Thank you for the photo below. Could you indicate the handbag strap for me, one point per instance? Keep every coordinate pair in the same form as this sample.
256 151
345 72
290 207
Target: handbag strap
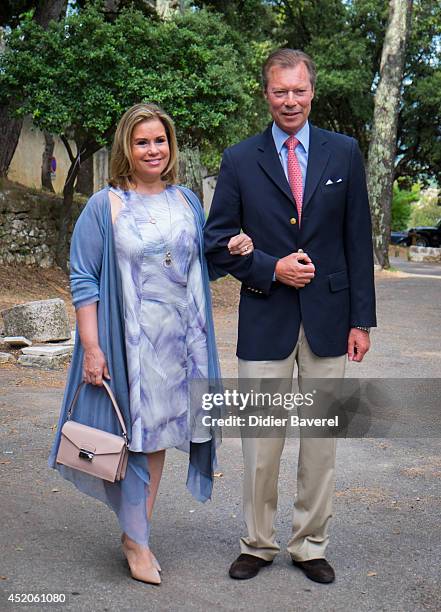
112 399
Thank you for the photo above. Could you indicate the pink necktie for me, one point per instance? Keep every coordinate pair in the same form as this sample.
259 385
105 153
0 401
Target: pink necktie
295 174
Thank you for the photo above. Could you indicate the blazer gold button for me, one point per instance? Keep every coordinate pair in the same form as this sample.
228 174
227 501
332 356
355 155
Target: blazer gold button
293 220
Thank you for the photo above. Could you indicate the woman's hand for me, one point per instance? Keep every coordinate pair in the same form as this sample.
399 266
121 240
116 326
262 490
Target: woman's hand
240 245
95 366
94 362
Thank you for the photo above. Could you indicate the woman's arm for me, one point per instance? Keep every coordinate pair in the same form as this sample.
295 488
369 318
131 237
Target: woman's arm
94 363
85 260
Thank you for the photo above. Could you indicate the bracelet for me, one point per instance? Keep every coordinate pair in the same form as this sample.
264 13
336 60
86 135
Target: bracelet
365 329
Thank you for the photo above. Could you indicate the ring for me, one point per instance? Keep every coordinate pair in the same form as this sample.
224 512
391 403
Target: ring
245 250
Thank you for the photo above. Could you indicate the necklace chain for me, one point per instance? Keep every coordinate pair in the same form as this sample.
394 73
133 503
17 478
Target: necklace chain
168 259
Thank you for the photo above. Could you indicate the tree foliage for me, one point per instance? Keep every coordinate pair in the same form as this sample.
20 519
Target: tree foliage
11 11
427 211
419 127
254 19
402 205
77 77
345 39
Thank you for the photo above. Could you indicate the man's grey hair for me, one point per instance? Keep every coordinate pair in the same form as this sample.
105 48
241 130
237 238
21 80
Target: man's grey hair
288 58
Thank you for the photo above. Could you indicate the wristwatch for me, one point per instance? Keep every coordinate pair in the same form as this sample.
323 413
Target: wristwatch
365 329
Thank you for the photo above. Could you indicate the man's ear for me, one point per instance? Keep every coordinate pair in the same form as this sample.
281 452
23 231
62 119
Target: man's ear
313 92
265 94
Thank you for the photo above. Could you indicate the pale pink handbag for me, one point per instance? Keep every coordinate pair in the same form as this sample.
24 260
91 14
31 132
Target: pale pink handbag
91 450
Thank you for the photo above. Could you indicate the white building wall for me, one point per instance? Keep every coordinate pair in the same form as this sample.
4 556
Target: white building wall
25 166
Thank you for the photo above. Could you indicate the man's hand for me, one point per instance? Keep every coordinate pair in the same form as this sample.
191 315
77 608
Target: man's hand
358 344
296 270
95 366
240 245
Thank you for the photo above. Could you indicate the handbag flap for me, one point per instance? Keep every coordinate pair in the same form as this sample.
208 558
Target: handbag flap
95 440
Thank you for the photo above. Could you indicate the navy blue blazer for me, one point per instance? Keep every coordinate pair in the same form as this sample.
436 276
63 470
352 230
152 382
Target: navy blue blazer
253 194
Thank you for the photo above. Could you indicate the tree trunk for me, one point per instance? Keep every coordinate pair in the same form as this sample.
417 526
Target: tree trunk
85 178
65 217
10 127
46 162
82 155
190 170
49 10
383 145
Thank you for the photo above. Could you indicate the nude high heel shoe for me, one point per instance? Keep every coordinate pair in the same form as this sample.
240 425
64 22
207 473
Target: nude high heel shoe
156 562
154 559
139 570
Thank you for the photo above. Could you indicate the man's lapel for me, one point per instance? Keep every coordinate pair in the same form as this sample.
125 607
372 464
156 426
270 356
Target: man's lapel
270 163
318 158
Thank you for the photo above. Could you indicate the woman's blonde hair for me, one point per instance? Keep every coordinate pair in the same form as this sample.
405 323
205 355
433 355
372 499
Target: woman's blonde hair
121 161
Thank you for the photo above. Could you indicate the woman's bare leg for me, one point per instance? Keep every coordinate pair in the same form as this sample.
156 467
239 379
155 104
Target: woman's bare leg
141 559
156 465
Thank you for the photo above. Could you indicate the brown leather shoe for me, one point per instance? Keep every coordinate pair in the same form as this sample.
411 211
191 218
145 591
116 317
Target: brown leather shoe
318 570
247 566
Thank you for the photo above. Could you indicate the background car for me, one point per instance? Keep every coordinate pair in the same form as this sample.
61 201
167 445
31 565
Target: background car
421 235
399 238
425 236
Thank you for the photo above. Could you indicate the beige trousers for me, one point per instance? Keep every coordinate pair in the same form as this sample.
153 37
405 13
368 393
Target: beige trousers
315 470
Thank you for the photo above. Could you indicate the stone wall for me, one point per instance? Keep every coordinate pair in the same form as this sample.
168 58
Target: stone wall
28 226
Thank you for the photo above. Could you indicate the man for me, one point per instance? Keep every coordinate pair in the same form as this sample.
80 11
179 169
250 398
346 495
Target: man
307 292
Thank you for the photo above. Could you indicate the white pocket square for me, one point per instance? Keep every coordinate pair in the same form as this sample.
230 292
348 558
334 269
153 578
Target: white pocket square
330 182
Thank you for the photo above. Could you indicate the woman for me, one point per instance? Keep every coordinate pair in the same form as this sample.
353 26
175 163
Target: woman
140 289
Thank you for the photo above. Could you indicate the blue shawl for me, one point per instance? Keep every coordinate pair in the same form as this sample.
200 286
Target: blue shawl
95 278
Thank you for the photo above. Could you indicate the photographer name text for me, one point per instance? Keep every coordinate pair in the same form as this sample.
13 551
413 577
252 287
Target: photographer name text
267 421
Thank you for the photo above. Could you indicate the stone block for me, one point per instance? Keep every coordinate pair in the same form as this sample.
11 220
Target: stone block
17 341
424 254
40 321
70 342
54 362
48 350
6 358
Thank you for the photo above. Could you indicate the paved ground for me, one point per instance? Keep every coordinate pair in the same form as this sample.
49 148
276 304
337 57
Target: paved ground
385 534
410 267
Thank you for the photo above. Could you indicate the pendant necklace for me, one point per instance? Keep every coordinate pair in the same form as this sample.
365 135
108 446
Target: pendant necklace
168 260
